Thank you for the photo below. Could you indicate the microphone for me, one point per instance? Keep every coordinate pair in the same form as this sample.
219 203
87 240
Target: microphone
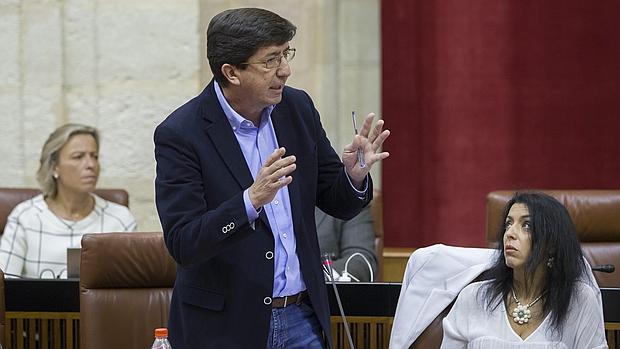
605 268
329 271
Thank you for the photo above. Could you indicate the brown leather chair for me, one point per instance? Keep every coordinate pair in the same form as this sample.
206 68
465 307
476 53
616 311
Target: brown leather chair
10 197
126 282
376 210
596 214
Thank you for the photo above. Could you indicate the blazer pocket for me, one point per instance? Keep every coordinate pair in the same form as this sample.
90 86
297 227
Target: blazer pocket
202 298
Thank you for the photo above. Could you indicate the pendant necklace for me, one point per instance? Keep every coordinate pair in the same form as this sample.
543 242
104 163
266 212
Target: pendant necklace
521 314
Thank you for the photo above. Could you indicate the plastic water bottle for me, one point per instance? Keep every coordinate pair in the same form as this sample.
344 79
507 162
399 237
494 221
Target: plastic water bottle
161 339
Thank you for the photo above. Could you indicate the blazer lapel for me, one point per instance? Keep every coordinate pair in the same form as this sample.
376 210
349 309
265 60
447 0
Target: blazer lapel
224 141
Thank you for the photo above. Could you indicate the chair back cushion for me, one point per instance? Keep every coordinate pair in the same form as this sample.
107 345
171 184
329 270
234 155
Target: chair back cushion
10 197
596 214
126 282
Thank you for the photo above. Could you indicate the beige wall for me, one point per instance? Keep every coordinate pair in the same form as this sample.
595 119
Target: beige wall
124 65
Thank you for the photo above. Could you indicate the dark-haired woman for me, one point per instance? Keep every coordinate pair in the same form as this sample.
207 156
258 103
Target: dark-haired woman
539 294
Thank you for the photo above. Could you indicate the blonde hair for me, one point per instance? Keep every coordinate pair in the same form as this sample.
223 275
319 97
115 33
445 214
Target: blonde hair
51 150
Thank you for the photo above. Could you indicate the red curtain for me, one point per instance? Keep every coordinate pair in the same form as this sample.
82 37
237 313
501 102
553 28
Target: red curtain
486 95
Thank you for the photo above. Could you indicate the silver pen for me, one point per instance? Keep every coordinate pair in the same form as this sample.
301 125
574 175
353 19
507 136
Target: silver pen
360 152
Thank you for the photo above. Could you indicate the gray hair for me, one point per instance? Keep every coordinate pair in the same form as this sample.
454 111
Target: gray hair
51 150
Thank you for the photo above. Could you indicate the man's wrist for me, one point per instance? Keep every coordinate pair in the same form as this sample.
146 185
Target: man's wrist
250 210
361 193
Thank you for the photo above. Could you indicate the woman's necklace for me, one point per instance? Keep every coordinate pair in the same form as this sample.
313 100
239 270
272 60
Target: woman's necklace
521 314
59 211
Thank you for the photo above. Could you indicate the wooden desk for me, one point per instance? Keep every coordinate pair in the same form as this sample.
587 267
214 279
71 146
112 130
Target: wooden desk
394 263
42 313
45 313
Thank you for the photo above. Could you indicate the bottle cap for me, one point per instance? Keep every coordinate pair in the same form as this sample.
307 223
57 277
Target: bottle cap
161 332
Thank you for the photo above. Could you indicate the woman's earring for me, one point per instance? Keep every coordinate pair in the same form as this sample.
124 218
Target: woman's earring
550 262
55 176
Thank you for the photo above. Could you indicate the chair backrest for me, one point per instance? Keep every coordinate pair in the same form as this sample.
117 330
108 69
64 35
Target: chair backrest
376 210
10 197
596 214
126 282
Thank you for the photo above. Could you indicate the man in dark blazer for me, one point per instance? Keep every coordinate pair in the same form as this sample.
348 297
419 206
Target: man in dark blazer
240 169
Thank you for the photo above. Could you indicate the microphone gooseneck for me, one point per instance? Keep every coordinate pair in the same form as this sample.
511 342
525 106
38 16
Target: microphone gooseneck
327 267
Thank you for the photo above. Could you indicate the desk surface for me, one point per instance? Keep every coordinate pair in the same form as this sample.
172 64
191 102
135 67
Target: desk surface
358 298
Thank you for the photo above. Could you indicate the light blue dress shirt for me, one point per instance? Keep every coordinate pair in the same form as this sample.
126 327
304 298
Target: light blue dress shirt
257 143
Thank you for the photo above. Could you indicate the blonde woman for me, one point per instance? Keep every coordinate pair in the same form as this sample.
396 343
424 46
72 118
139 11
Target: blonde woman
40 229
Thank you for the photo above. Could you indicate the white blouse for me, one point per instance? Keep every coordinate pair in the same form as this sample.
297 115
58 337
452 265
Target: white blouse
35 240
469 325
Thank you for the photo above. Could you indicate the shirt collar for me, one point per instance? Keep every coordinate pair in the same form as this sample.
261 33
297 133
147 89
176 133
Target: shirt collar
235 119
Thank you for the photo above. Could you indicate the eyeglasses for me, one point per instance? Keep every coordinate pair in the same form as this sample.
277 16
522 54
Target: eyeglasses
274 62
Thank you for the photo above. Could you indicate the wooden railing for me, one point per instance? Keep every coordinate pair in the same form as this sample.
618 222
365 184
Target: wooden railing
45 314
366 332
612 332
50 330
42 330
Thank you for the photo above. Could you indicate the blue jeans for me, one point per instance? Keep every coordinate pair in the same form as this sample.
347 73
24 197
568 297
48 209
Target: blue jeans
295 326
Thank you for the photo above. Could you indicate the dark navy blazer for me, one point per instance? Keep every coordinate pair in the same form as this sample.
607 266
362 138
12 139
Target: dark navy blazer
224 272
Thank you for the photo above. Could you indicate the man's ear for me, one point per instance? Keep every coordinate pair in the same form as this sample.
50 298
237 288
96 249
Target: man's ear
230 73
